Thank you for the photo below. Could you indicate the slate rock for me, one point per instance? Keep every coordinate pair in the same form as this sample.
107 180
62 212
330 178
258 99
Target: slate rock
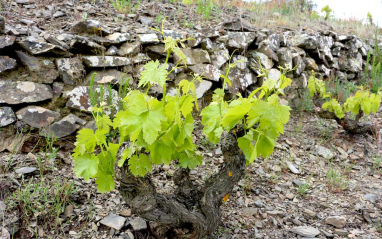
324 152
39 46
111 76
138 224
114 221
292 168
150 38
37 117
140 58
129 48
219 56
26 170
341 232
90 27
202 87
337 221
266 50
241 76
284 55
241 25
113 39
371 197
6 41
310 64
238 40
306 231
175 34
42 70
64 127
258 57
7 63
105 61
194 56
158 49
112 51
304 41
23 92
208 71
79 98
352 64
71 70
7 116
81 44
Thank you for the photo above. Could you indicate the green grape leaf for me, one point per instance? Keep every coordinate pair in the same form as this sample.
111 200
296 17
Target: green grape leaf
153 73
86 141
105 182
86 166
187 86
103 122
140 165
235 112
187 105
190 159
136 102
211 116
245 144
160 152
126 153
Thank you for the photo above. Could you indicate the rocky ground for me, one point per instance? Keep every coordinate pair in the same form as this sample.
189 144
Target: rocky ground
319 182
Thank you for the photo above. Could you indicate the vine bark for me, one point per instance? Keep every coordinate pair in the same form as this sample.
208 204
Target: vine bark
189 212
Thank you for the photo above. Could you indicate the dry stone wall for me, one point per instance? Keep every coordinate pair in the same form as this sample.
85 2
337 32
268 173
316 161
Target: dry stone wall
44 76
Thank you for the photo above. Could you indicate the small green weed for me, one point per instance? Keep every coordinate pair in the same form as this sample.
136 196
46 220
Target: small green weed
305 104
335 180
303 188
122 6
204 8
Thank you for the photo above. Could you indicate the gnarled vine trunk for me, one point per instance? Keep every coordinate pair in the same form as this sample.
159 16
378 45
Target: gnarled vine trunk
189 212
351 126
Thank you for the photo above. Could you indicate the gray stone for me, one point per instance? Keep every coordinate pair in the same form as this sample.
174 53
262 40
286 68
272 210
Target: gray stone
105 61
82 44
114 221
90 27
202 87
274 74
292 168
337 221
259 203
157 49
248 212
266 50
175 34
304 41
37 117
40 46
258 58
241 76
140 58
219 57
130 48
238 25
138 224
79 98
23 92
193 57
112 51
306 231
298 64
148 38
7 63
146 20
371 197
340 232
64 127
110 76
324 152
352 64
43 70
6 41
71 70
238 40
113 39
127 235
310 64
26 170
208 71
59 14
285 57
7 116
